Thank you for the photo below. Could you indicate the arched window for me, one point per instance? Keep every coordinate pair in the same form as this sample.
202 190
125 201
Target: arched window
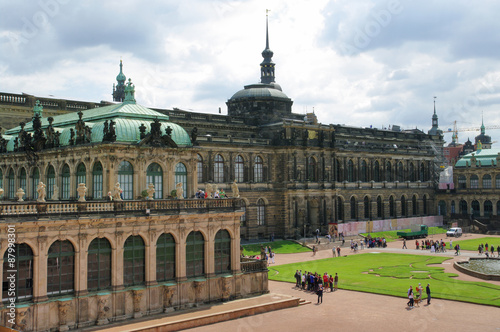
422 172
154 175
411 173
81 175
126 179
488 209
498 208
379 207
442 208
35 179
21 261
22 179
401 172
181 177
414 205
199 169
404 207
239 169
388 172
463 207
338 171
376 171
452 207
165 257
222 255
261 212
462 182
258 170
1 178
487 181
99 265
97 181
65 181
11 184
218 169
366 203
424 203
475 208
363 175
60 268
51 181
353 208
474 181
195 255
497 181
340 209
311 169
243 218
350 171
134 261
392 208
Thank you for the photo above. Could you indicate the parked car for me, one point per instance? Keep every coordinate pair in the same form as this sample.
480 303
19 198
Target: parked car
454 231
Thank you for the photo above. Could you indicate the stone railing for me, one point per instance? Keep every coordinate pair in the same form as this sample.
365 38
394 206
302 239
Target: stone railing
252 265
146 206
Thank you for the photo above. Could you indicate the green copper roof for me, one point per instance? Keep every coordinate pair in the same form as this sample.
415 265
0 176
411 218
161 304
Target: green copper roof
487 157
260 91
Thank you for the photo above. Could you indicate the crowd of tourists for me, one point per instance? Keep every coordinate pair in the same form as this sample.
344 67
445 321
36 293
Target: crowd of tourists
316 283
486 249
415 298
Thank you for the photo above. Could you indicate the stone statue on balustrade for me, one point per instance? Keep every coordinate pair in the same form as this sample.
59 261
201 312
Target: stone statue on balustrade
151 191
117 192
41 190
179 191
20 194
82 191
55 193
1 191
235 190
209 189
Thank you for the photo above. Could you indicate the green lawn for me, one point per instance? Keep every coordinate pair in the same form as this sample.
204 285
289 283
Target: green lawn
391 236
472 244
392 274
279 247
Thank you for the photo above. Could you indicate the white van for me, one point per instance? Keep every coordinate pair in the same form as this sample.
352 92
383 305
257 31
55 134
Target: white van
454 231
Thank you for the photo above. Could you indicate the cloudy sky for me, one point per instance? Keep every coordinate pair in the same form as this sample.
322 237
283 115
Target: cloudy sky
355 62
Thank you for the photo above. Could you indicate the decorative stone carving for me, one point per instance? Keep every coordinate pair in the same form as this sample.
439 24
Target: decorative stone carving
198 290
168 294
102 310
235 190
137 296
179 191
82 191
1 191
151 190
64 307
226 288
209 189
40 189
117 191
20 194
55 194
22 316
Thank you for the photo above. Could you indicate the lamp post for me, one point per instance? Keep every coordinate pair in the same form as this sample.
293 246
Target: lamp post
304 233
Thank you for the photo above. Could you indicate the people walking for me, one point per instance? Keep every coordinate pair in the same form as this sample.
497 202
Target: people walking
320 293
428 291
338 251
404 244
336 281
410 297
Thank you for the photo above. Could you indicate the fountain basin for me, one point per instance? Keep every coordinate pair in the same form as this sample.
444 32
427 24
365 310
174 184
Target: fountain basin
480 267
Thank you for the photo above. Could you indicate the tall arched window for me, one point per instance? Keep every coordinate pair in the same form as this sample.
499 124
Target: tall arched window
181 177
22 179
61 268
258 170
338 171
411 173
353 208
81 175
239 169
154 175
452 207
442 208
498 208
11 184
487 181
222 255
35 179
388 172
65 182
363 175
51 181
376 171
195 255
126 179
1 178
340 208
99 265
475 208
366 203
21 260
218 169
379 207
404 207
311 169
243 218
463 207
462 182
424 203
350 171
422 172
97 181
414 205
261 212
488 209
474 181
497 181
165 257
392 208
199 169
401 172
134 261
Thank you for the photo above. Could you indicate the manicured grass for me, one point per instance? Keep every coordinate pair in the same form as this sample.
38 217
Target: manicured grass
472 244
391 236
279 247
392 274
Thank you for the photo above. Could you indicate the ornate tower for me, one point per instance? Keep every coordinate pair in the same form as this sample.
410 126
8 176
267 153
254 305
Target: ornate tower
435 127
267 65
119 89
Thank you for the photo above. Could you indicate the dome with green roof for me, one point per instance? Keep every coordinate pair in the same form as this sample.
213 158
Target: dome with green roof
484 157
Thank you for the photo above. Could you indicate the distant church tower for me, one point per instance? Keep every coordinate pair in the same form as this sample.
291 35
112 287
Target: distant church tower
435 127
119 89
